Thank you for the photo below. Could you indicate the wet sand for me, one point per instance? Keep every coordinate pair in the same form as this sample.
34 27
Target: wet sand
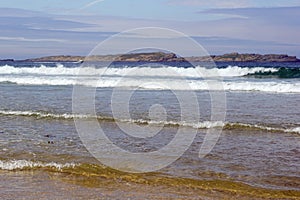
51 185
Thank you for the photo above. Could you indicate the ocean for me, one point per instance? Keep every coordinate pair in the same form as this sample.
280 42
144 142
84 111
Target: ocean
46 154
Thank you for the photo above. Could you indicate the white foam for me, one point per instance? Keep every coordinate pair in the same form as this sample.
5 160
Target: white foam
196 125
164 75
198 71
267 128
233 71
293 130
261 86
279 86
22 164
42 114
44 70
273 87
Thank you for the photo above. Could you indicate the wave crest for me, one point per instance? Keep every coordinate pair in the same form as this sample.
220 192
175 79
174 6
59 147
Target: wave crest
61 70
195 125
282 72
118 77
25 164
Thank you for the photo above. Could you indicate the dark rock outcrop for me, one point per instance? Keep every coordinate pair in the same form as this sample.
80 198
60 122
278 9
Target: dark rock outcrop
6 60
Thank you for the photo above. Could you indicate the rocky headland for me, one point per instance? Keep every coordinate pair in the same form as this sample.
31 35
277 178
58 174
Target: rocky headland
170 57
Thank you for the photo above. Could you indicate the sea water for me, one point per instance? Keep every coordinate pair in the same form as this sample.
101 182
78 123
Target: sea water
256 156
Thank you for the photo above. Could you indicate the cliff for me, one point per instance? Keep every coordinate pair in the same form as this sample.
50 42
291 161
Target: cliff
170 57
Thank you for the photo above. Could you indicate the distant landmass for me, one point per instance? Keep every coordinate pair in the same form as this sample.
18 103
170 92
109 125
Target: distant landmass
169 57
236 57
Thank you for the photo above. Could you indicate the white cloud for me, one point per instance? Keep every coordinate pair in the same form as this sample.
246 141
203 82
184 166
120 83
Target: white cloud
90 4
261 30
213 3
236 3
22 39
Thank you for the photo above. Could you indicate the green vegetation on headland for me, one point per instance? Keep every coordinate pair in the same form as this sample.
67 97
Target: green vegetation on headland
170 57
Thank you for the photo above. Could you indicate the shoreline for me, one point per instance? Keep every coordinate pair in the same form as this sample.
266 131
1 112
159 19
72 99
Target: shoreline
132 186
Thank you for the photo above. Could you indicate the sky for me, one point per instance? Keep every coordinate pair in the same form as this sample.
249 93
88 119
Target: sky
66 27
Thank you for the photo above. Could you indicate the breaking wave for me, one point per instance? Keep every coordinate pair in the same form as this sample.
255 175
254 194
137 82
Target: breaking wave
156 78
261 127
282 72
196 125
41 114
25 164
61 70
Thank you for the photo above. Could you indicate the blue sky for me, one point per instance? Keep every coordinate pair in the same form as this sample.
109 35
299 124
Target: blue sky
39 28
